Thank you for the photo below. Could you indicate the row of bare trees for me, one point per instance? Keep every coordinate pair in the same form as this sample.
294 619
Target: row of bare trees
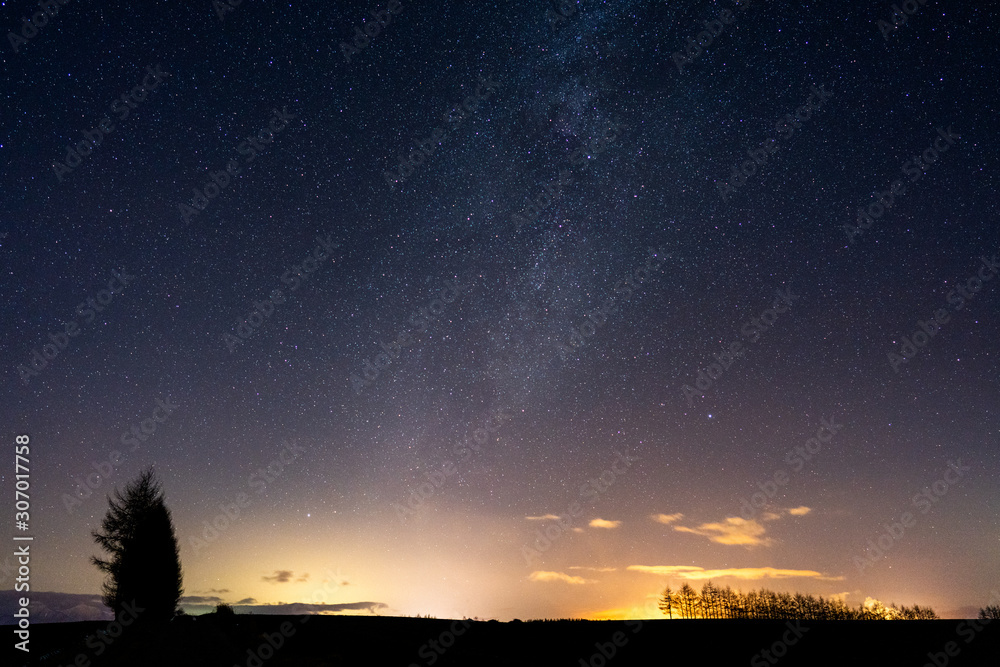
716 602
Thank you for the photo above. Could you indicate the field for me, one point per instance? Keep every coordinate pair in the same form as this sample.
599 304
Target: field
328 641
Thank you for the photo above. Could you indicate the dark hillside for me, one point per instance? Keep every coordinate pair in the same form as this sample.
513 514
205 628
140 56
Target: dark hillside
328 641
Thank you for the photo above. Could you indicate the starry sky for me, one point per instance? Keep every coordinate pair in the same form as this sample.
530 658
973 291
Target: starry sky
508 309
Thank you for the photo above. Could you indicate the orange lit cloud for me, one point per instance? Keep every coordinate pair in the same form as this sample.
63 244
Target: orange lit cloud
284 576
667 518
734 530
593 569
541 575
604 523
698 573
799 511
544 517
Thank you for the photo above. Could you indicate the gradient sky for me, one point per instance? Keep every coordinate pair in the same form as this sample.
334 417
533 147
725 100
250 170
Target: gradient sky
654 203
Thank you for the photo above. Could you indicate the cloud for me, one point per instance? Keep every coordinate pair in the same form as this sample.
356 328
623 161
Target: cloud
734 530
217 590
200 599
540 575
698 573
54 607
667 518
604 523
593 569
298 608
770 516
248 601
280 577
667 570
799 511
304 577
544 517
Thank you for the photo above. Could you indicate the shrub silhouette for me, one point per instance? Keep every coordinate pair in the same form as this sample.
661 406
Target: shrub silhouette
990 612
143 567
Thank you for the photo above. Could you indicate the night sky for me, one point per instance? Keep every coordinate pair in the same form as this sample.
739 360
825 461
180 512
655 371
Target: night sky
500 312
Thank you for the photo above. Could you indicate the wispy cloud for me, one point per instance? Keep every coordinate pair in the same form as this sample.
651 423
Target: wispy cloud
541 575
280 577
200 599
697 573
298 608
667 518
604 523
734 530
544 517
799 511
593 569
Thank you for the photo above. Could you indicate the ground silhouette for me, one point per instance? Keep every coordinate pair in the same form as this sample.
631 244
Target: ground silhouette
214 640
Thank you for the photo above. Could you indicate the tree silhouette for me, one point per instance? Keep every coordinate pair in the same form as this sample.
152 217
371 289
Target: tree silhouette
143 566
990 612
689 601
715 602
668 603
